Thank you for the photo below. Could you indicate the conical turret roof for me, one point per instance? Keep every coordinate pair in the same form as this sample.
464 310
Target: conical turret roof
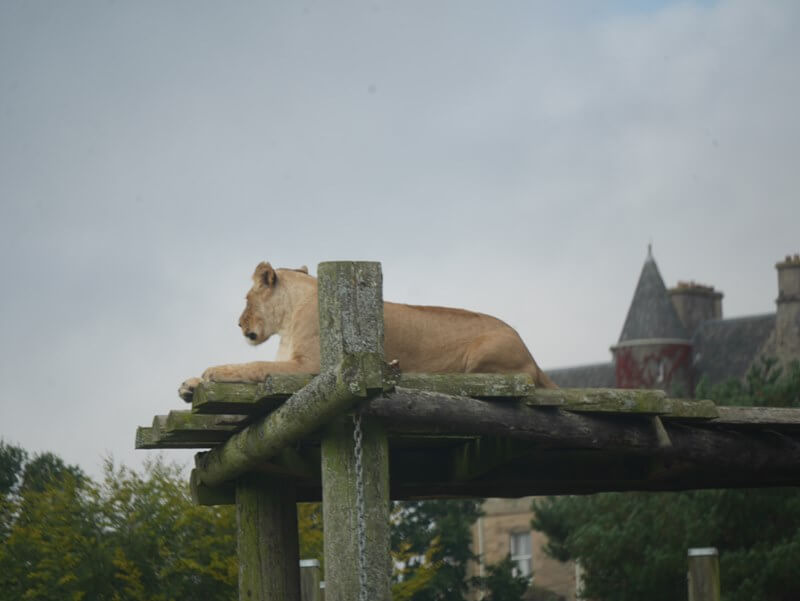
651 314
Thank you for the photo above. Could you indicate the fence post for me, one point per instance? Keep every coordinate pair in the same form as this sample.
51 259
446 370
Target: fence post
267 540
703 574
309 580
351 329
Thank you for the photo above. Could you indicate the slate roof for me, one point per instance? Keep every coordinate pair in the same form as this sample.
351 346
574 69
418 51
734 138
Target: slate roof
651 314
725 348
598 375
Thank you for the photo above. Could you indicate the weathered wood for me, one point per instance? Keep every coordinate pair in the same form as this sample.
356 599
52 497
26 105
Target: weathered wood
247 397
704 575
309 580
472 385
351 314
414 411
622 401
267 541
351 324
481 455
287 463
759 417
256 398
328 395
202 494
144 438
340 512
185 426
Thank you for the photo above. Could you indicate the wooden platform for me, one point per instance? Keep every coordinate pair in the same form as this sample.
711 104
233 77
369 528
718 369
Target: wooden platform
492 435
289 439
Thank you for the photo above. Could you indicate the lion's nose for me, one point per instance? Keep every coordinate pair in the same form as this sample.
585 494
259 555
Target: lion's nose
251 335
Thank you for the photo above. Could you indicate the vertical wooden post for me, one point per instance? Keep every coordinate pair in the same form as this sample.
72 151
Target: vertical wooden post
267 540
351 328
704 574
309 580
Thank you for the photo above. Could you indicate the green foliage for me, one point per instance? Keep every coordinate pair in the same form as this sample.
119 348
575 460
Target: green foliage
501 583
132 537
633 545
309 522
766 385
12 458
433 539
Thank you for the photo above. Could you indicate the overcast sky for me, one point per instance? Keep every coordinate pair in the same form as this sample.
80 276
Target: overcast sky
514 158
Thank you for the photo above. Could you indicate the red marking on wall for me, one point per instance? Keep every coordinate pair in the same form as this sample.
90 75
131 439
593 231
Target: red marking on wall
654 366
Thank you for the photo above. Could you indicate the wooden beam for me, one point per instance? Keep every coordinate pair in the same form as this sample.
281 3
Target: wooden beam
267 541
414 411
482 455
351 323
629 401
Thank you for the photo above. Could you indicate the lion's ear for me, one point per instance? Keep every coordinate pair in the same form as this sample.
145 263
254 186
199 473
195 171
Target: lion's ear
265 274
302 269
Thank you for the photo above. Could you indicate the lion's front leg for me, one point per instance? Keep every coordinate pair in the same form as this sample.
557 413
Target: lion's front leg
257 371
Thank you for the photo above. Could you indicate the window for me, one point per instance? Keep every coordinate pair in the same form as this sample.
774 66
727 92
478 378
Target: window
521 554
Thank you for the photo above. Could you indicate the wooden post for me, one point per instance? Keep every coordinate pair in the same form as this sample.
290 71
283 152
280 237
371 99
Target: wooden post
703 574
267 540
309 580
351 326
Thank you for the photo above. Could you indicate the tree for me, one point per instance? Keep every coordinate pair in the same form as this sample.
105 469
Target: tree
432 540
633 545
12 458
501 583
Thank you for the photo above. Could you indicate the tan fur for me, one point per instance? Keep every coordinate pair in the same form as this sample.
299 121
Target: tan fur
421 339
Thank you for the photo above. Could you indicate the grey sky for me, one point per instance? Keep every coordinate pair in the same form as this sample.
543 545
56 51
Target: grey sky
513 158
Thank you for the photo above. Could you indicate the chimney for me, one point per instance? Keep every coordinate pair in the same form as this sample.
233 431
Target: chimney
787 319
695 303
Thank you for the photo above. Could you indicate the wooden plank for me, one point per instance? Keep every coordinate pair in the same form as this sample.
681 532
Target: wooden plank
185 426
182 429
471 385
267 540
250 398
351 324
146 439
631 401
247 397
760 417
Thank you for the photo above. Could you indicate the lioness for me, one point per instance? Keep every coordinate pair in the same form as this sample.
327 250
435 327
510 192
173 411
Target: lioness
422 339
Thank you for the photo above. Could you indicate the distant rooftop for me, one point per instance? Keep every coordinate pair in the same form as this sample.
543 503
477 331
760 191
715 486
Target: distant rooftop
651 313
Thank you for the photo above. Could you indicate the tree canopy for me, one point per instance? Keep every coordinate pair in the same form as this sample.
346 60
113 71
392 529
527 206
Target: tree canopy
138 536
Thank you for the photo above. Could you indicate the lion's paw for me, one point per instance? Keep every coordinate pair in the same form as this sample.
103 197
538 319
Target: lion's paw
186 390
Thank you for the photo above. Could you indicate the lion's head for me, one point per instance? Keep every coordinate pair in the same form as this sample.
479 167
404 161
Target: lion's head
260 320
266 307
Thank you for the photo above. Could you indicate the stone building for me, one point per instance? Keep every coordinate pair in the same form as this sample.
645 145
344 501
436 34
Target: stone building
671 339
